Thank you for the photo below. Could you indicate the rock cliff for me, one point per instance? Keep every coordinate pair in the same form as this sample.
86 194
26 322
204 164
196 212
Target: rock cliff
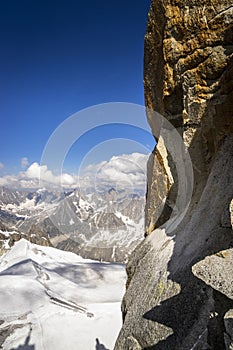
188 66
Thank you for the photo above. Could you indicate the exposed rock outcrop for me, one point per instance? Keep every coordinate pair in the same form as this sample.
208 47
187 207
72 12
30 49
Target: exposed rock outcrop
8 237
228 322
188 79
216 271
37 236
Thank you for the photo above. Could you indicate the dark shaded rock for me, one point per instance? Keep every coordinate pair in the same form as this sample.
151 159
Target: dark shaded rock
228 321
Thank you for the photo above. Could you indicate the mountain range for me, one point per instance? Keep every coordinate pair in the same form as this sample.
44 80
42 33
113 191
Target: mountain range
103 225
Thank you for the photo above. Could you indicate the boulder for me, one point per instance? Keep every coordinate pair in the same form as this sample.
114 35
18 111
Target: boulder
216 271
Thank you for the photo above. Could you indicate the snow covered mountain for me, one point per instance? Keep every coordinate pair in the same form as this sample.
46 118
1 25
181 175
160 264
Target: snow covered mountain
103 226
9 196
51 299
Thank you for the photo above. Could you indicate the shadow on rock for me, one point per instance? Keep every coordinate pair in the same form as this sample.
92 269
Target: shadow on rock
177 314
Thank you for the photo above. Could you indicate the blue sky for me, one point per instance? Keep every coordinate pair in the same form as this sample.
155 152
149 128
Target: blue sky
58 57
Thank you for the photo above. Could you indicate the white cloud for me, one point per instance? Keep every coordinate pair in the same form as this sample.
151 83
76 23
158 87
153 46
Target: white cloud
125 171
9 180
42 173
1 165
24 162
36 176
68 179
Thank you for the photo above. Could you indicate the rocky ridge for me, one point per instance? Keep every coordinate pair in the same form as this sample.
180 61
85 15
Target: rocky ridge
9 236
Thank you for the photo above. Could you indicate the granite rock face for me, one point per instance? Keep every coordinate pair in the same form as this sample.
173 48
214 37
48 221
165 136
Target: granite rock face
216 271
188 79
228 321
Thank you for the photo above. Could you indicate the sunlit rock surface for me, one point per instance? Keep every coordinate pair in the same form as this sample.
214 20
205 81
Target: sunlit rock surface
188 79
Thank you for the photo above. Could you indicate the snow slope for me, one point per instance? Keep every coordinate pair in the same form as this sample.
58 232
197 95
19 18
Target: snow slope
51 299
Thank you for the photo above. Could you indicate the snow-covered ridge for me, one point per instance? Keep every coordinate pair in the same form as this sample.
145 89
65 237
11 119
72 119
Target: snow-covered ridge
57 300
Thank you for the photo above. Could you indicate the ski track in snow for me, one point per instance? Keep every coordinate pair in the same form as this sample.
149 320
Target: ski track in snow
56 300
